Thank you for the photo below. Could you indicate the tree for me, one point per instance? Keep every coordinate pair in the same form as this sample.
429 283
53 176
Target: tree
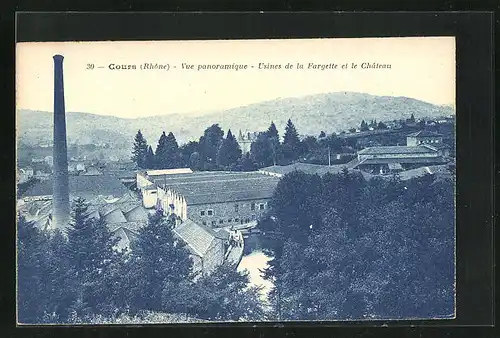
381 125
161 152
261 151
195 161
150 158
229 151
272 132
158 263
383 248
173 151
309 145
298 215
90 252
412 118
186 150
291 142
45 287
167 152
363 126
23 187
322 134
32 272
247 163
140 149
210 142
222 295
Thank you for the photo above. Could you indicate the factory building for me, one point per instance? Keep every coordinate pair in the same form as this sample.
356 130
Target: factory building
423 148
215 199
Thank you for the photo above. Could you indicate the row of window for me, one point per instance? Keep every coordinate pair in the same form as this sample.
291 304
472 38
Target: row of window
253 206
428 141
230 220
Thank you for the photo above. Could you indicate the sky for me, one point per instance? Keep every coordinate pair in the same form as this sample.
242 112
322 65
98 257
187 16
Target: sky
421 67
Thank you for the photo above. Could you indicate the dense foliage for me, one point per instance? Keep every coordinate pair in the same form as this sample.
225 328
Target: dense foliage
213 151
140 150
346 248
82 276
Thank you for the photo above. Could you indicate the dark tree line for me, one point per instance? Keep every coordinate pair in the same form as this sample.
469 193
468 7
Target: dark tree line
166 155
346 248
213 151
81 274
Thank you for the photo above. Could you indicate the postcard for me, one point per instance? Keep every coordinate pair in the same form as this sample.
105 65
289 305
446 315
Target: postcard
235 181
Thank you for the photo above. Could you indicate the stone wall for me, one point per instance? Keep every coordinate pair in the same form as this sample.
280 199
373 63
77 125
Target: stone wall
197 264
226 214
213 257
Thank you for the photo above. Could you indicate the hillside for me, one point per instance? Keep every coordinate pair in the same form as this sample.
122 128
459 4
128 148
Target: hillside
330 112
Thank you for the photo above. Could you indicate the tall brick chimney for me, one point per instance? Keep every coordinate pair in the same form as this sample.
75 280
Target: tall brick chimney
60 192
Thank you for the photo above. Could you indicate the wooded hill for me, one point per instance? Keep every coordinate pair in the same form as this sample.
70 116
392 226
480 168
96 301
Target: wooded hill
332 112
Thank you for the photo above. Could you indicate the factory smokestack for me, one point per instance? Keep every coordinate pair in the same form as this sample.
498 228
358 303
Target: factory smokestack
60 192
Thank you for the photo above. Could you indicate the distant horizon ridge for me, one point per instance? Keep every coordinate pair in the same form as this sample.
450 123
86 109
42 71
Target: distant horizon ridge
213 111
332 112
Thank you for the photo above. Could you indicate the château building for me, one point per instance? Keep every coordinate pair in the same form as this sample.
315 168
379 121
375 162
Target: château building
245 141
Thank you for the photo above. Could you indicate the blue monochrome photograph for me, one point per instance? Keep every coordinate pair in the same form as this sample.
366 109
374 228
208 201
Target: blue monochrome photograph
297 180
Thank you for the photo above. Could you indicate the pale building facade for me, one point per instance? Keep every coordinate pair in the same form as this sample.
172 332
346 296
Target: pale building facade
215 199
423 137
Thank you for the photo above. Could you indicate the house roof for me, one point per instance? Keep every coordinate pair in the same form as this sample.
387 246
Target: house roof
228 196
221 233
121 165
125 236
124 242
120 173
197 238
436 146
39 212
114 216
130 227
138 213
369 133
395 150
395 166
424 133
92 171
82 186
125 210
223 187
439 170
150 187
402 160
305 167
204 176
152 173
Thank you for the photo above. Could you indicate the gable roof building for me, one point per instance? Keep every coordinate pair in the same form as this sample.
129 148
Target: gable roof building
124 216
88 187
280 171
198 239
206 247
397 150
223 188
423 137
